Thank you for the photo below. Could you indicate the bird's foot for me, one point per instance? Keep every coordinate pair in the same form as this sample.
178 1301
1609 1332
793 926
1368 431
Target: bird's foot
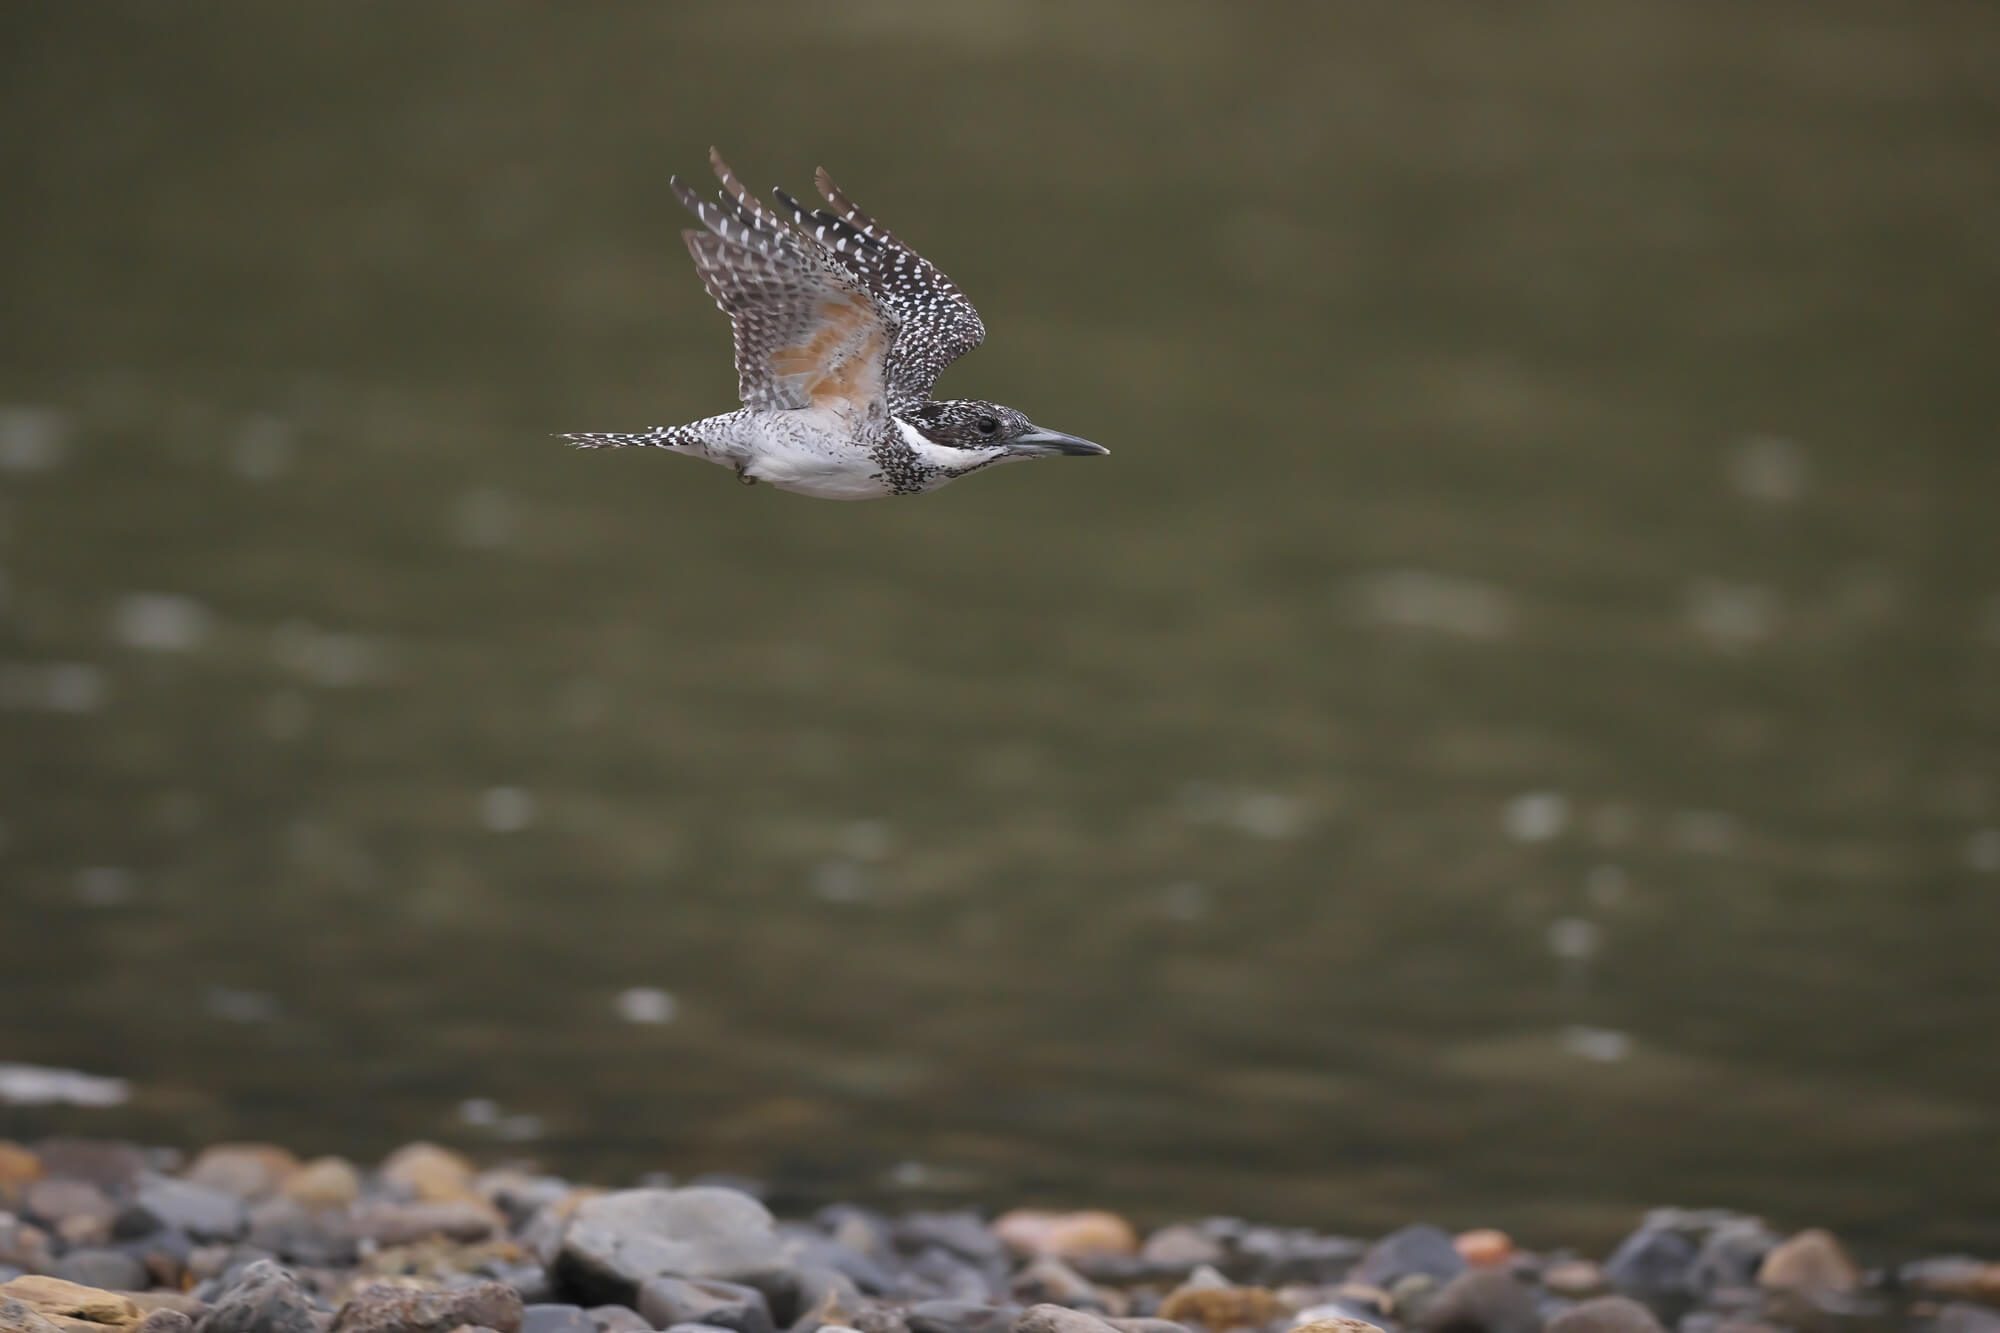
743 474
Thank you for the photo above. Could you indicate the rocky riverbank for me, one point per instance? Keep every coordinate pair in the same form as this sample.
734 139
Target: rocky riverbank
246 1238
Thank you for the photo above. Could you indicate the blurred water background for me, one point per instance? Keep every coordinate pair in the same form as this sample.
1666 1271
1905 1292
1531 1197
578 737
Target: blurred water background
1511 736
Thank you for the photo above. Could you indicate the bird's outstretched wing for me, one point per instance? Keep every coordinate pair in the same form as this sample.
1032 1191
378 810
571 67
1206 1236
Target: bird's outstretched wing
809 331
936 324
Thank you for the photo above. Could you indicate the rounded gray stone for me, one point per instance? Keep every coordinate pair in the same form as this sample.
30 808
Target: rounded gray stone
614 1242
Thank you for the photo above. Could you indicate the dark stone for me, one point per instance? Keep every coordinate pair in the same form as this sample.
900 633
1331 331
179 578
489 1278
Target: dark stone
263 1298
728 1305
202 1213
952 1278
806 1291
110 1270
320 1239
1047 1318
556 1319
1730 1255
1274 1256
1653 1261
1415 1249
164 1321
960 1317
529 1280
1481 1301
380 1309
1047 1280
1606 1314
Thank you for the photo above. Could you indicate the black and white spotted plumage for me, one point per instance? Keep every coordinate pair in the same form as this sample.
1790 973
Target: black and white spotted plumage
841 331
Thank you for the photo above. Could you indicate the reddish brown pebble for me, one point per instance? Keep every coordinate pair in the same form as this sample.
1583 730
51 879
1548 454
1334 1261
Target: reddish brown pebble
1219 1308
1810 1261
1606 1314
1066 1235
19 1169
1484 1247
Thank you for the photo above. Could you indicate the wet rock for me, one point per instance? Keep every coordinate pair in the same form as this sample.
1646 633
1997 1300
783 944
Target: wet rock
465 1221
385 1309
556 1319
110 1165
246 1171
1484 1247
427 1172
614 1242
201 1213
1810 1261
618 1319
1574 1278
164 1320
1218 1308
324 1182
111 1270
1179 1249
1652 1261
1484 1300
56 1300
1067 1235
20 1317
263 1298
19 1168
1606 1314
959 1317
724 1305
807 1293
1049 1318
1414 1249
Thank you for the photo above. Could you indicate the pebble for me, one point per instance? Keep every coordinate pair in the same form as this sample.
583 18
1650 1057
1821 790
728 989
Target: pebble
429 1173
465 1221
112 1270
1810 1261
1337 1324
1730 1255
20 1317
1959 1317
1606 1314
23 1245
57 1202
19 1168
1179 1249
264 1298
1653 1260
164 1320
202 1213
1047 1318
724 1305
324 1182
1956 1276
1483 1300
1067 1235
960 1317
1421 1249
1219 1308
1574 1278
614 1242
387 1309
106 1163
247 1171
556 1319
1484 1248
54 1299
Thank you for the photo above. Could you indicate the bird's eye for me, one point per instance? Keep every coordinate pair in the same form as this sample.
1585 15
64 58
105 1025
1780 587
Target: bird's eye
931 412
986 425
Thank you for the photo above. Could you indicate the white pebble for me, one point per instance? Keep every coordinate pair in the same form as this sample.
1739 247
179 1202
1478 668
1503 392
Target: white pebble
41 1085
1574 939
1603 1045
506 809
647 1004
160 622
1536 816
32 439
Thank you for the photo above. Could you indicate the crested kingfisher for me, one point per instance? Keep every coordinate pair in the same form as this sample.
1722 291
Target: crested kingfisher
841 330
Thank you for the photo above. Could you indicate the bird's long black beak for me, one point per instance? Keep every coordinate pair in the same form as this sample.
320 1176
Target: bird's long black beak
1039 443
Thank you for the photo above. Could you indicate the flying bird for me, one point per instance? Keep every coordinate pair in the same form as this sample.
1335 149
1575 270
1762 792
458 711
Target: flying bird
841 332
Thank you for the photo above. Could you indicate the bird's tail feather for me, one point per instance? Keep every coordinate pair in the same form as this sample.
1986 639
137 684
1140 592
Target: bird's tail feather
659 437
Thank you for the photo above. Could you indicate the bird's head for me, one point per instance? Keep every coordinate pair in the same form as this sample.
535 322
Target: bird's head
962 432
